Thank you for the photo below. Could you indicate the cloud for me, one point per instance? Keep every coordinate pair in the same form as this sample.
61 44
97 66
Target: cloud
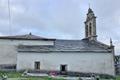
61 18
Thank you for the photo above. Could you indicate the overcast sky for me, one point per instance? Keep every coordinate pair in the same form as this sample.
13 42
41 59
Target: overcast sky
61 19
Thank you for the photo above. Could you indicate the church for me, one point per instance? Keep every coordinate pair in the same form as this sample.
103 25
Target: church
31 52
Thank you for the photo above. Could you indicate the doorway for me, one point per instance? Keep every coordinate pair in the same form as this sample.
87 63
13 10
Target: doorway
63 68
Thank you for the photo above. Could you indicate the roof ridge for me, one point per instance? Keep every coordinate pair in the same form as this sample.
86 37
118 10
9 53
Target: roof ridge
25 36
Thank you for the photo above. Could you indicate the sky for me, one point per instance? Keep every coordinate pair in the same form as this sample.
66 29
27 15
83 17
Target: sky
61 19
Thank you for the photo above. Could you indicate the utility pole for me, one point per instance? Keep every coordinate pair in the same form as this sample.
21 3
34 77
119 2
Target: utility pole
9 18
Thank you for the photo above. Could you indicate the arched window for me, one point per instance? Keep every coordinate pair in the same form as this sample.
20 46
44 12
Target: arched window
90 29
86 30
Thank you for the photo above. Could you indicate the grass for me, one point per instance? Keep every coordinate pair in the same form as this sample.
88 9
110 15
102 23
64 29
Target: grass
17 75
12 75
118 78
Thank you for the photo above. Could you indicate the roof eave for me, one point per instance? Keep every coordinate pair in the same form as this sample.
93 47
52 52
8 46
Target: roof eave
26 39
62 51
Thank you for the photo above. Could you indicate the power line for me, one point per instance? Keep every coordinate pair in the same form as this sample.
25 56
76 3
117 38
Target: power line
9 20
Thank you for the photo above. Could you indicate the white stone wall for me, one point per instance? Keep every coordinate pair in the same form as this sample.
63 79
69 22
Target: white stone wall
25 42
7 54
83 62
8 49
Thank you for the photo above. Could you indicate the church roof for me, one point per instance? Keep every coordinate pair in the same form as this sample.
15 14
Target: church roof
83 45
25 37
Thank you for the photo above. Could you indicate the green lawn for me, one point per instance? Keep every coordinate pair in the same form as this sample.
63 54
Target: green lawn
118 78
33 79
17 76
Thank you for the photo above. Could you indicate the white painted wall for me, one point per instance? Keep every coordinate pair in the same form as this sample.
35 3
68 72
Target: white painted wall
7 54
83 62
8 49
25 42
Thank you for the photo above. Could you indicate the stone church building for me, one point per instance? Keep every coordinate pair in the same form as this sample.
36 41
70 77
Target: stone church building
37 53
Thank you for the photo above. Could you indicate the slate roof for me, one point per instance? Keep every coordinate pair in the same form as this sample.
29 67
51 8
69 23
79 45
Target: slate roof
83 45
25 37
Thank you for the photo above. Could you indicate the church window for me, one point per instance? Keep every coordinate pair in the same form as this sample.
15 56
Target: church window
90 29
37 65
86 30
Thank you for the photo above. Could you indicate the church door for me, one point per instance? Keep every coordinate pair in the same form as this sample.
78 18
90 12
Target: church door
63 69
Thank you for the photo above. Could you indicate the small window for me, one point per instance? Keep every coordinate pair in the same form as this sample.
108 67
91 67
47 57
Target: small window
37 65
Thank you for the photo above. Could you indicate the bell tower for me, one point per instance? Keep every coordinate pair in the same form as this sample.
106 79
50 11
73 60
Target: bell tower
90 25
